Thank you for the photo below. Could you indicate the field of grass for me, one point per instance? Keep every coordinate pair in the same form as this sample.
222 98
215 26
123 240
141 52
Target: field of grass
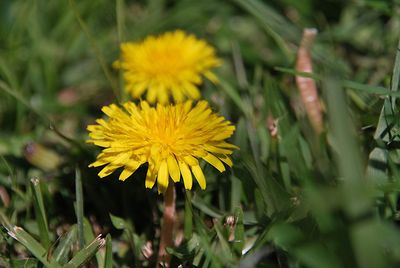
297 195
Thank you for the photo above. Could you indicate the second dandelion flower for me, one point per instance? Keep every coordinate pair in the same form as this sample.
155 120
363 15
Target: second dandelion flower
169 65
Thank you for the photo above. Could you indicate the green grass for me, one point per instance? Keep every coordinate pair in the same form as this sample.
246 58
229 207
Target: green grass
297 199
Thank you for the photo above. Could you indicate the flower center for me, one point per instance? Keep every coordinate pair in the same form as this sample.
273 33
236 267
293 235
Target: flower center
167 62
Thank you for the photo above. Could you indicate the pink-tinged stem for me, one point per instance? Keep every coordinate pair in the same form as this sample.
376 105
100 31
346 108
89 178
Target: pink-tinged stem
167 226
307 86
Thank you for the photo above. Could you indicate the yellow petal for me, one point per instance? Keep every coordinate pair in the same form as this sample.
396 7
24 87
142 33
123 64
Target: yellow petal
162 177
122 158
177 94
173 168
227 145
225 159
151 94
212 77
129 170
138 89
215 162
190 160
107 170
99 162
218 150
186 174
199 175
101 143
150 177
162 94
191 91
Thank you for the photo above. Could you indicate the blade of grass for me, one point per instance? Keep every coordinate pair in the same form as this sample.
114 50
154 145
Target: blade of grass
43 117
238 243
206 208
108 258
274 24
348 155
188 218
133 239
40 212
396 75
225 253
79 207
95 48
60 254
89 235
32 245
346 83
234 95
119 10
86 253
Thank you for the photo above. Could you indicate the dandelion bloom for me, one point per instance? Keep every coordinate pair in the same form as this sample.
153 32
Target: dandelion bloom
170 64
171 139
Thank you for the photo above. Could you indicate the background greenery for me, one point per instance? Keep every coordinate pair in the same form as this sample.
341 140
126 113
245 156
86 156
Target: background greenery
291 200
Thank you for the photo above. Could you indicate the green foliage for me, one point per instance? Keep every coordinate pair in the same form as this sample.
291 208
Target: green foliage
292 198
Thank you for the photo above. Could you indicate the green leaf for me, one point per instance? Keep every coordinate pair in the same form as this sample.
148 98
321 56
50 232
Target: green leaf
79 207
225 252
356 197
368 245
285 235
377 169
85 254
23 263
108 258
61 253
40 212
315 255
238 242
188 217
118 222
234 95
274 24
32 245
206 208
187 250
89 236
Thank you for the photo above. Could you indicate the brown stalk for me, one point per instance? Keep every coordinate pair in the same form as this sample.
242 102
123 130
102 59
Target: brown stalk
167 226
307 86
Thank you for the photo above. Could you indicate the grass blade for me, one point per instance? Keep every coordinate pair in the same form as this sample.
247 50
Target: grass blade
95 48
32 245
238 243
61 252
188 218
84 255
79 207
108 258
40 213
234 95
274 24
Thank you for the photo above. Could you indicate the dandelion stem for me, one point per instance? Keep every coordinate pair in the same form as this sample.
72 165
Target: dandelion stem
167 226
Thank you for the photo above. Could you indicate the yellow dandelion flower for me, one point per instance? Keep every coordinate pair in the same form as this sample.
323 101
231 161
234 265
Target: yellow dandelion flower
170 64
171 139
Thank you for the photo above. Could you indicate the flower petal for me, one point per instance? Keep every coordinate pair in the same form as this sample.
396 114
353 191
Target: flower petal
173 168
215 162
129 170
150 177
199 175
186 174
162 177
107 170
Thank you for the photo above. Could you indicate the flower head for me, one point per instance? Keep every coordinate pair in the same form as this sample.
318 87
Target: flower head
171 139
170 64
